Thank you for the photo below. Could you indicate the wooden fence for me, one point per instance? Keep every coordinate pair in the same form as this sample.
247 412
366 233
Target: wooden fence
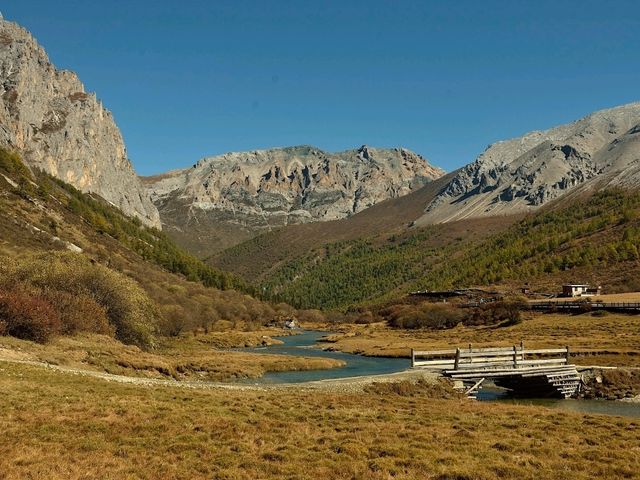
631 307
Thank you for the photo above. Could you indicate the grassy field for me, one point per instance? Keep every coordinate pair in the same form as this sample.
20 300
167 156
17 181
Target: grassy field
190 357
613 339
58 426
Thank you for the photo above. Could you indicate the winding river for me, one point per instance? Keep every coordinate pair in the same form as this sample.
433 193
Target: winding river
304 344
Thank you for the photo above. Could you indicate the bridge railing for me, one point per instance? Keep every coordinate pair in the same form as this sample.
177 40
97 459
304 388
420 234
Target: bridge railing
489 358
575 305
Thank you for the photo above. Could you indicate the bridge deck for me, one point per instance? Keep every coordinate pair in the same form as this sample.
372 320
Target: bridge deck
529 372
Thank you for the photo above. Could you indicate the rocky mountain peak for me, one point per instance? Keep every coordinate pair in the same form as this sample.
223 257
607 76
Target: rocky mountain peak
524 173
46 114
261 189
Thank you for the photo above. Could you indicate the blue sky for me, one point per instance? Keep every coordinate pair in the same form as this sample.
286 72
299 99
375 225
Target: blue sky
194 78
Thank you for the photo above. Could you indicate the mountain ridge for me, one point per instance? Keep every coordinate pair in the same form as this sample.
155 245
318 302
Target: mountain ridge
46 114
523 173
239 194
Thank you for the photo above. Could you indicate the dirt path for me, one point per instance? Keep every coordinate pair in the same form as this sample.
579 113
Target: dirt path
350 384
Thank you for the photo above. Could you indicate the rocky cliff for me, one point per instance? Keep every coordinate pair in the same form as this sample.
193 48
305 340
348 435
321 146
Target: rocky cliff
225 199
59 128
524 173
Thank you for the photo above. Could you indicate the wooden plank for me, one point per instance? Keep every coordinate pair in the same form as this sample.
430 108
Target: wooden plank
543 361
489 350
481 360
426 353
500 372
474 387
493 353
493 365
546 350
434 363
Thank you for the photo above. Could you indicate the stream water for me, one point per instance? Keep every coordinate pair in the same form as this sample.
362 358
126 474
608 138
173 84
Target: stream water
305 344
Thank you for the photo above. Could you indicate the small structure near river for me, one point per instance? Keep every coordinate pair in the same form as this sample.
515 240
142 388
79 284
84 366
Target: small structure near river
580 290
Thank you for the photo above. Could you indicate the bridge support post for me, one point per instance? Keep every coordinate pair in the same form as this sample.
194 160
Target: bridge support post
413 358
568 353
457 362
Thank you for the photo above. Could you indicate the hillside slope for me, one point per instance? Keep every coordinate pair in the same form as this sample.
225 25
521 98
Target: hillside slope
224 200
40 216
594 238
46 114
257 258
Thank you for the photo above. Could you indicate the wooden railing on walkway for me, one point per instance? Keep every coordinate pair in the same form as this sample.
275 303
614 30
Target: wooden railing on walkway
516 357
576 306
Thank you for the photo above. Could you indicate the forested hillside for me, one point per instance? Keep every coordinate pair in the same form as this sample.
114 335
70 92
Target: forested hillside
592 239
72 262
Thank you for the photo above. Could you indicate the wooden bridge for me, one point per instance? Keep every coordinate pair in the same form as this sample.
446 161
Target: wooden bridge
527 372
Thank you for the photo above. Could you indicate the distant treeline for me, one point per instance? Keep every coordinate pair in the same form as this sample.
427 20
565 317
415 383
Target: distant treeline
591 234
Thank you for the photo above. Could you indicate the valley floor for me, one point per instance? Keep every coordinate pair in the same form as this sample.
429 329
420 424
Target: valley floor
613 339
58 426
205 357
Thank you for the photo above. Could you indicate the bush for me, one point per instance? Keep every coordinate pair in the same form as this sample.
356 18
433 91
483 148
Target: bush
440 316
100 294
27 316
79 313
435 316
12 165
503 313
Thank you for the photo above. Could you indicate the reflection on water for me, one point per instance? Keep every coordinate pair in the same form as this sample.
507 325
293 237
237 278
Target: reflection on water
495 394
305 345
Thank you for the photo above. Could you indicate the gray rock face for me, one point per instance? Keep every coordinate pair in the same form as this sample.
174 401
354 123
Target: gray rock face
524 173
46 114
299 183
245 193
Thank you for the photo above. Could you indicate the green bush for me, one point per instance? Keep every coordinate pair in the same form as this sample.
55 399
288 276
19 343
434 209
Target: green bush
12 165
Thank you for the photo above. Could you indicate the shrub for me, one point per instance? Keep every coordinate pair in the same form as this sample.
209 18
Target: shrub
28 316
11 164
503 313
99 291
79 313
436 316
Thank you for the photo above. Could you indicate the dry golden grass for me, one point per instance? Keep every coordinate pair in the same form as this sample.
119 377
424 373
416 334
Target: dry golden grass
613 339
57 426
185 358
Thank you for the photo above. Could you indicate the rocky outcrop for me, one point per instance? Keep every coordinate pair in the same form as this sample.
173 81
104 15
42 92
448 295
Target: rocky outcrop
46 114
524 173
246 193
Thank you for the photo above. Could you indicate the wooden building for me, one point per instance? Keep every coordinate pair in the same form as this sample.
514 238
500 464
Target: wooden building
580 290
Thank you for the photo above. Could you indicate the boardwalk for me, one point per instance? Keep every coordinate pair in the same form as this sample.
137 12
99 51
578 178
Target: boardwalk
528 372
573 306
